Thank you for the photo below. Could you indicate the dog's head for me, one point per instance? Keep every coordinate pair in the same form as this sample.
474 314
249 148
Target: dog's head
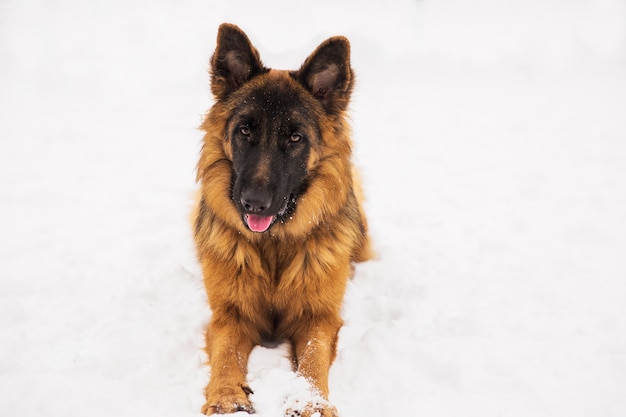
273 131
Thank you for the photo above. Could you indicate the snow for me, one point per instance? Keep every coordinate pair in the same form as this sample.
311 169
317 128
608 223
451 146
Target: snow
492 140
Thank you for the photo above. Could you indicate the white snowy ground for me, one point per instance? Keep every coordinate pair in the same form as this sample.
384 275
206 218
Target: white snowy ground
492 140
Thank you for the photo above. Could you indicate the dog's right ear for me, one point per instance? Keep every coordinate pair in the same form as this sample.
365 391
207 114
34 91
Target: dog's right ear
326 73
234 62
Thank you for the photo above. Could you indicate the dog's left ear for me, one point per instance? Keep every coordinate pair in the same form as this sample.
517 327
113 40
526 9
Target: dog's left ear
234 62
326 73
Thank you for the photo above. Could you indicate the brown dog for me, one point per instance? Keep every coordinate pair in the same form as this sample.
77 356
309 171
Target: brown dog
278 221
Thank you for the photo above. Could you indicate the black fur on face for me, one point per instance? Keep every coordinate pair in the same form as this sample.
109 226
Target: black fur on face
271 131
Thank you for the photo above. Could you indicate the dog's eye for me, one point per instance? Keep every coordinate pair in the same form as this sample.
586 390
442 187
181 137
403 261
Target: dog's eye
245 130
295 137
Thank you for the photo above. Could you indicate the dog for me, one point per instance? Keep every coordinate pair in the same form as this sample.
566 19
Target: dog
278 222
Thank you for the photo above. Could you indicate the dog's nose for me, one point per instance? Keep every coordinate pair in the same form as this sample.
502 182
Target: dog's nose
255 200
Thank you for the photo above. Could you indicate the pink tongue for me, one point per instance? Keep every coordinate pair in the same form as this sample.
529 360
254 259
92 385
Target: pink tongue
258 223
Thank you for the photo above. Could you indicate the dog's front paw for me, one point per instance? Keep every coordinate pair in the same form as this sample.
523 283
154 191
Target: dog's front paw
228 401
317 408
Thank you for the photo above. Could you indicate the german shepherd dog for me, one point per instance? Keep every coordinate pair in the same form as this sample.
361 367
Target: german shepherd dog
278 222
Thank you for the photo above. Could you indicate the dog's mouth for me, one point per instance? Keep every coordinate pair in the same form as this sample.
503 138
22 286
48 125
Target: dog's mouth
261 223
258 223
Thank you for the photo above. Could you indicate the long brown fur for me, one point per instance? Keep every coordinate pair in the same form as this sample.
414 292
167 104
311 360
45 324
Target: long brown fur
287 283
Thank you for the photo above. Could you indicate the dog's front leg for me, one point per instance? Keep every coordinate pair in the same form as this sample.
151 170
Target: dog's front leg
228 346
315 350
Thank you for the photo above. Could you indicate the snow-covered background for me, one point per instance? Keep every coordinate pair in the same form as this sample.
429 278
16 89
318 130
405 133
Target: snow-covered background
492 140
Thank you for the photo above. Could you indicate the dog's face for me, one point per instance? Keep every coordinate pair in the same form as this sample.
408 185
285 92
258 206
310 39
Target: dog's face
272 135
